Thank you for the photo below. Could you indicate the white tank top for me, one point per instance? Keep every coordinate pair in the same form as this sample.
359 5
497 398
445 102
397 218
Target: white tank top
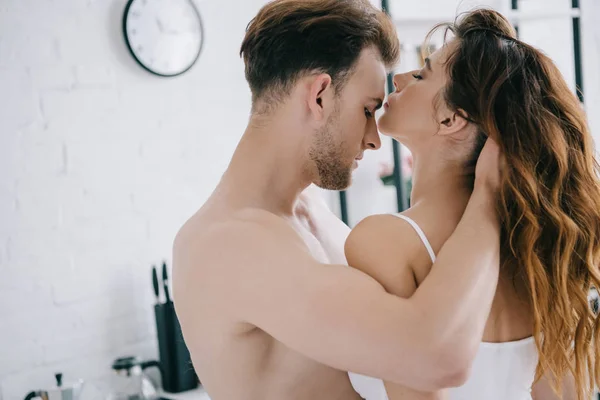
501 371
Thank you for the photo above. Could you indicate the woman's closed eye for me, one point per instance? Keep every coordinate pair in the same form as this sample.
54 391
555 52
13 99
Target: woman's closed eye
417 77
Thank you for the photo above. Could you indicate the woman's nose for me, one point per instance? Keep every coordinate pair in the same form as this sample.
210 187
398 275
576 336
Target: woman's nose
400 80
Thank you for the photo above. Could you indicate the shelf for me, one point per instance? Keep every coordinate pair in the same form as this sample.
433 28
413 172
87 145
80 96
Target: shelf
513 16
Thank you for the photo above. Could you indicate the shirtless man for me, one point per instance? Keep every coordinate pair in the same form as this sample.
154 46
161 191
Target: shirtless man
268 309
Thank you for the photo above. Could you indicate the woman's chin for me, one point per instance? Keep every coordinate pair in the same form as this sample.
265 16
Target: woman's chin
383 127
386 130
402 139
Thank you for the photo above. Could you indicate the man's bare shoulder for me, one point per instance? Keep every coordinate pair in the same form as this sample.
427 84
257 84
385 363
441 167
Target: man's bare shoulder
224 262
249 234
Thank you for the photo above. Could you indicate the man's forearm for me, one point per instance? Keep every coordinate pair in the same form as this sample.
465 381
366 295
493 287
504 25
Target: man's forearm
456 296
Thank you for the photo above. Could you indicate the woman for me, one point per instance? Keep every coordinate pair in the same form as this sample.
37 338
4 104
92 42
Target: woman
484 82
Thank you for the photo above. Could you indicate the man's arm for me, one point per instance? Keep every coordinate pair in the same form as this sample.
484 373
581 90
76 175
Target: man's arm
343 318
456 306
384 247
333 314
458 292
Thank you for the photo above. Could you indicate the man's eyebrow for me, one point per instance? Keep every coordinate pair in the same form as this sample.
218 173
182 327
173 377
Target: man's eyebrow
379 102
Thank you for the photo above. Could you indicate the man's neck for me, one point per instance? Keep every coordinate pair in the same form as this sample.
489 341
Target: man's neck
269 168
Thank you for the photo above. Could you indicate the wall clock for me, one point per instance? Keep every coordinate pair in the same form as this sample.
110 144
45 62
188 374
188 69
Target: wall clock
164 36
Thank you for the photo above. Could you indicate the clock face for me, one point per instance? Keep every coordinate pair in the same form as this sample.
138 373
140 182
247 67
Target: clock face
164 36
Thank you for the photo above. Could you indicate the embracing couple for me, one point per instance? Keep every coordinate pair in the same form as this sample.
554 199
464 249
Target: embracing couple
478 291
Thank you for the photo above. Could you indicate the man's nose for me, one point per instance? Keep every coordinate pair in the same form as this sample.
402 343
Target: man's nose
372 140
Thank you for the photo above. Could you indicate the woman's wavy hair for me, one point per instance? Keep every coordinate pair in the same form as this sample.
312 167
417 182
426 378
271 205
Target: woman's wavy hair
549 199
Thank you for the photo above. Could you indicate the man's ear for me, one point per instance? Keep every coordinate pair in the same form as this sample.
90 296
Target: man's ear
454 123
320 96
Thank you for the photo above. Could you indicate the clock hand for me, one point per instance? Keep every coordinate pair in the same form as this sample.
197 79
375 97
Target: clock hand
160 25
162 29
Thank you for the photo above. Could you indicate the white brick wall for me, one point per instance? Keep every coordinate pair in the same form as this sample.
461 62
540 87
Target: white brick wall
100 163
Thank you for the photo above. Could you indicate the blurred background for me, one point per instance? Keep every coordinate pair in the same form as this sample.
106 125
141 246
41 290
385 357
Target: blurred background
102 159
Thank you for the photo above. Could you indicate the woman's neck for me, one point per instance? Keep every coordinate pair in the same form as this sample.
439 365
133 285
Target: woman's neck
439 181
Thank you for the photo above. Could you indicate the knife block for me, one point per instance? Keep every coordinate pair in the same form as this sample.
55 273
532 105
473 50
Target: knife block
178 371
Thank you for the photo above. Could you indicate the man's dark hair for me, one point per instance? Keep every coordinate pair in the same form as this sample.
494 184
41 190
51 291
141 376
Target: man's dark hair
289 38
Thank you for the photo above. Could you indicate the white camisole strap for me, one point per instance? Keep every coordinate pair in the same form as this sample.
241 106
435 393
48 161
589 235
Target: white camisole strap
421 234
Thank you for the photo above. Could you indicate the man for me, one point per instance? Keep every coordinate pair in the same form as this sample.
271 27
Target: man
267 306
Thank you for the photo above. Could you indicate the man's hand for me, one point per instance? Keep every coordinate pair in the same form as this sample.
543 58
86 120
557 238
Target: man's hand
489 165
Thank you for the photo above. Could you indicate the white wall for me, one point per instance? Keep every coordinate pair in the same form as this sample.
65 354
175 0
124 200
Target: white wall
591 63
100 163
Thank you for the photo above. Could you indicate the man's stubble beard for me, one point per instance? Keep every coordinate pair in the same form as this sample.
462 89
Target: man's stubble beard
327 154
